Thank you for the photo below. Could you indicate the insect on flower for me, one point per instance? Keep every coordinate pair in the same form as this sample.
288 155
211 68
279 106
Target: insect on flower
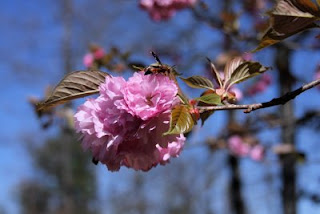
158 67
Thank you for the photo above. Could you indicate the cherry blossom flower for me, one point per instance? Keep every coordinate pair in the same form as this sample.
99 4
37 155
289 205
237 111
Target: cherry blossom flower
164 9
148 95
99 53
96 53
240 148
124 126
237 146
260 86
88 60
257 153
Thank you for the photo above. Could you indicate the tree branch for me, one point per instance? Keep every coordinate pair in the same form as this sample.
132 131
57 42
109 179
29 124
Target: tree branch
252 107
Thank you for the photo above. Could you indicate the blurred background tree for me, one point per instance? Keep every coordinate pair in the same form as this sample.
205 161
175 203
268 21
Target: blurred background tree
66 183
208 177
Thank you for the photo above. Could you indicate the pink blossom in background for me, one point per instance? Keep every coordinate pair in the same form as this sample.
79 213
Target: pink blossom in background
257 153
317 75
260 86
88 60
266 78
257 88
247 56
237 146
164 9
99 53
240 148
120 129
238 93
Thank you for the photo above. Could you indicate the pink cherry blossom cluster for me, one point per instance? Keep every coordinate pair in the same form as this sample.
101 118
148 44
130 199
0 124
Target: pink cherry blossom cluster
164 9
96 54
124 126
260 86
239 148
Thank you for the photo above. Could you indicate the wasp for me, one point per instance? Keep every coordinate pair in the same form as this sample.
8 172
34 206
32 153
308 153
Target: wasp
158 67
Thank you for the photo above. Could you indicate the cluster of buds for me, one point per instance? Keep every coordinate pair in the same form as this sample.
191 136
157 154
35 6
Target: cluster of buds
112 59
92 59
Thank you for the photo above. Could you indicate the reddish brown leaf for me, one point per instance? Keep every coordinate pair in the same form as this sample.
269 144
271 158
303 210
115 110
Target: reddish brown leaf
74 85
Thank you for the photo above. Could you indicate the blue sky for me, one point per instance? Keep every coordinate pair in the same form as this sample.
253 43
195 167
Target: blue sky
30 60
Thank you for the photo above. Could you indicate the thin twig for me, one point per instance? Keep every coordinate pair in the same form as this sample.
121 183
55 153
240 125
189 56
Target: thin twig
252 107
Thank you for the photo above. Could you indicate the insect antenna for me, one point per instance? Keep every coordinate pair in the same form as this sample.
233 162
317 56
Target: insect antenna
156 57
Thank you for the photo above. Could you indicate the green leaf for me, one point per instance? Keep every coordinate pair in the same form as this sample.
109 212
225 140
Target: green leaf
289 17
74 85
198 82
205 115
212 99
243 71
184 100
181 120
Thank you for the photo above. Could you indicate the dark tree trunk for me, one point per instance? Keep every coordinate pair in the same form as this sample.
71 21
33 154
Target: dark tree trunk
237 205
236 200
287 117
